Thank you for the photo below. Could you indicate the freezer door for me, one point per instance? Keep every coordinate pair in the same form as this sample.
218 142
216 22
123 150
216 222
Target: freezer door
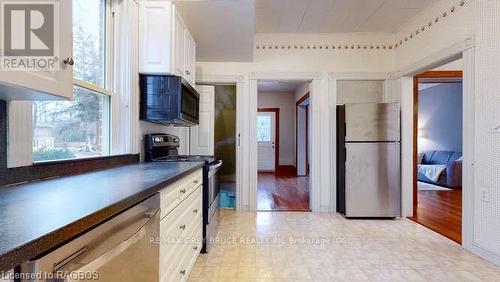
373 180
372 122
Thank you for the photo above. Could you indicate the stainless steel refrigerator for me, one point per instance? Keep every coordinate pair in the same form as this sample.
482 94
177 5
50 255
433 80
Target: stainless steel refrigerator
369 160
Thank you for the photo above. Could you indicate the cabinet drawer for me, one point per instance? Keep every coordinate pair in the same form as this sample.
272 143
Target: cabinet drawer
176 231
177 192
190 252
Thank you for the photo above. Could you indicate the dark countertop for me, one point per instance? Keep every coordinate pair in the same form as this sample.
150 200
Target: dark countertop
39 216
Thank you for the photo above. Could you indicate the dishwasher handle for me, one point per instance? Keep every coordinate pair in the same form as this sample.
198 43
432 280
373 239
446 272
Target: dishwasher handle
153 216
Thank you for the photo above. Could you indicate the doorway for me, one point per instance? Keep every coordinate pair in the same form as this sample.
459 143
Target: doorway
438 131
279 155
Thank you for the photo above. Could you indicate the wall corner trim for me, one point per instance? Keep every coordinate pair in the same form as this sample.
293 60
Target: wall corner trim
450 53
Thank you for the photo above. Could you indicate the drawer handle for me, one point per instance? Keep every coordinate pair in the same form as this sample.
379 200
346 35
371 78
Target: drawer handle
183 191
195 182
183 272
182 227
195 248
195 210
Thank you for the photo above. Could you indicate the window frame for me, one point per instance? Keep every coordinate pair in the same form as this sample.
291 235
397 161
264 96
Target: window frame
107 91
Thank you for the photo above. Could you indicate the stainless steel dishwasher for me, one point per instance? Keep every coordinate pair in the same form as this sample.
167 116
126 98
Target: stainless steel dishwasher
121 249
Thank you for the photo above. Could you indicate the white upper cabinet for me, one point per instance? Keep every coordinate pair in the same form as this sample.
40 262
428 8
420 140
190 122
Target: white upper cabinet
189 57
45 85
166 46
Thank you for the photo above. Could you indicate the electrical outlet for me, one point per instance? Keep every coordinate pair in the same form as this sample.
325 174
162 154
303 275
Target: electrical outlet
485 195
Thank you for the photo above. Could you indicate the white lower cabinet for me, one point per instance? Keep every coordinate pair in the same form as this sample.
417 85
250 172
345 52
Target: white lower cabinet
181 230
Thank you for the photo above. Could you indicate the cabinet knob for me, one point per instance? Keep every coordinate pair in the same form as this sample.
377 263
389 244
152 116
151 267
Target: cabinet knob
183 272
183 191
69 61
195 248
195 210
182 227
195 182
187 72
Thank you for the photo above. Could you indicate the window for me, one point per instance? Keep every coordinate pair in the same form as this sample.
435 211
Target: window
263 128
79 128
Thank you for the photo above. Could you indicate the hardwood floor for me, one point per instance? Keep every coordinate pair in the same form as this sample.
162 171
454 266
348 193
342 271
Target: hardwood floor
441 211
282 191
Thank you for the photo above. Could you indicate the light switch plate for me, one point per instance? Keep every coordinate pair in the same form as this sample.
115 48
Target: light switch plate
485 195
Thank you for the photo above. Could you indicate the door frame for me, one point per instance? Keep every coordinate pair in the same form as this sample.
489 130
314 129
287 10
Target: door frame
428 74
466 50
297 105
276 111
319 180
241 129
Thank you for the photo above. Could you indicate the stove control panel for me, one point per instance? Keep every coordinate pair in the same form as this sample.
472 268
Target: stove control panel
163 140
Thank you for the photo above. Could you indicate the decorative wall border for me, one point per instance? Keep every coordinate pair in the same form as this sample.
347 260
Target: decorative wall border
324 47
375 46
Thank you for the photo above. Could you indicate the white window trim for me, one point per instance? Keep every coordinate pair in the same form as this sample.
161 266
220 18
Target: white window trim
109 82
92 87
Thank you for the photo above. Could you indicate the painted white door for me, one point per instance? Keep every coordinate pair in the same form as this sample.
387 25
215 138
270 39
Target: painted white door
202 135
266 141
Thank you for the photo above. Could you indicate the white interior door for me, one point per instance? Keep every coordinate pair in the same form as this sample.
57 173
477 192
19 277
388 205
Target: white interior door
266 141
202 135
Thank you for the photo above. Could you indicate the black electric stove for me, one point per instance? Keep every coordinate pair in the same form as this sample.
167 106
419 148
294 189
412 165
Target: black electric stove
160 147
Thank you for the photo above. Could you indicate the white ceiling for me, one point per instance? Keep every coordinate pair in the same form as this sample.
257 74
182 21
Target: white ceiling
324 16
278 86
223 29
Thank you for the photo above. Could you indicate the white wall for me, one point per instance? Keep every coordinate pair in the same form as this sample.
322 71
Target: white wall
440 117
480 21
286 103
360 91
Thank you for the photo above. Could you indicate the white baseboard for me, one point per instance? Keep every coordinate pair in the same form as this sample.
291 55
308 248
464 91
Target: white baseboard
244 208
324 209
487 255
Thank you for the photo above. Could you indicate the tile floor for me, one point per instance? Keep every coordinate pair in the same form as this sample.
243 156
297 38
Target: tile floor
293 246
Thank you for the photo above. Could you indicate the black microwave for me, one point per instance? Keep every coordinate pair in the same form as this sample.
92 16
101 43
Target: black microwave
168 100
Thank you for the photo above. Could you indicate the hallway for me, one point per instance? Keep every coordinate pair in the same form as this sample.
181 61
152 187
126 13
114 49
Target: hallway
282 191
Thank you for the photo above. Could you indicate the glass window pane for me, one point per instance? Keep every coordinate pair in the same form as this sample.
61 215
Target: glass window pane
89 28
71 129
263 128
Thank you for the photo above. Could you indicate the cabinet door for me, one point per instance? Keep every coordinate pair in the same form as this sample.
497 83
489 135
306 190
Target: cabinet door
155 33
189 58
179 46
49 85
202 135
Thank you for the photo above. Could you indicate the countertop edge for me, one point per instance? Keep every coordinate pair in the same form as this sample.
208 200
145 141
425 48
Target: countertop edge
58 237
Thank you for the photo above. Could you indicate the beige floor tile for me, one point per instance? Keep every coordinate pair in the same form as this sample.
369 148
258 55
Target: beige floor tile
360 250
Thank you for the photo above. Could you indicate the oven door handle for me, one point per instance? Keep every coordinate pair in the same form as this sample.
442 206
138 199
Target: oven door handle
216 166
